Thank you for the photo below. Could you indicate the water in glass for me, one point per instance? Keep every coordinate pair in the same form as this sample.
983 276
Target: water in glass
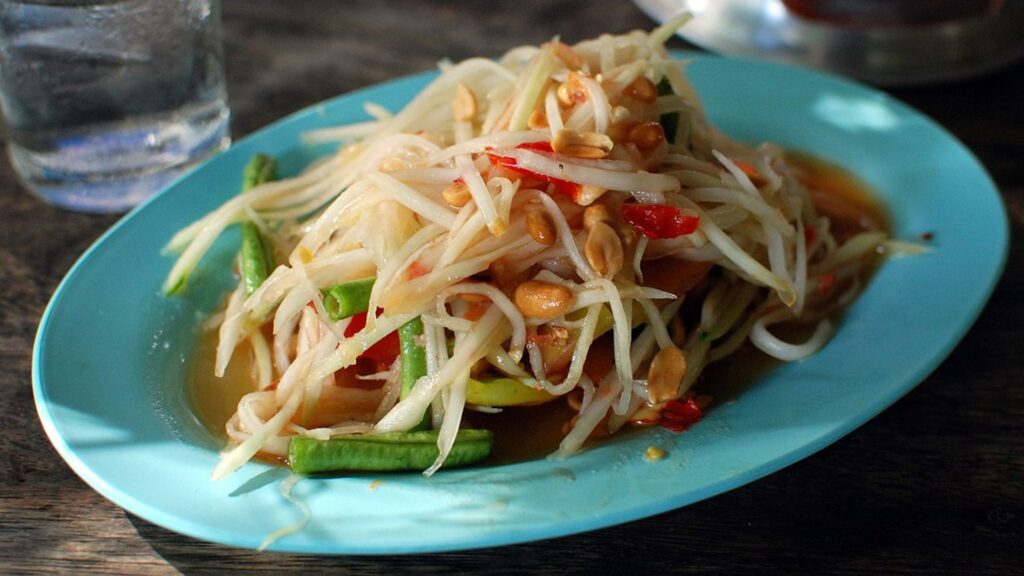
106 101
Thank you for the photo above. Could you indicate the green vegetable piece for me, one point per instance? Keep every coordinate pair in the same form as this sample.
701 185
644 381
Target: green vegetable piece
414 359
414 356
669 122
504 392
605 320
178 286
388 452
257 255
348 298
260 170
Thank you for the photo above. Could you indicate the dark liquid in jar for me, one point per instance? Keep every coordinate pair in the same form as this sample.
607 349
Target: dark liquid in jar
881 13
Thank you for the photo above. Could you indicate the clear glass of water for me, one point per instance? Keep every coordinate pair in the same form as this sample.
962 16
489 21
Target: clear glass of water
107 101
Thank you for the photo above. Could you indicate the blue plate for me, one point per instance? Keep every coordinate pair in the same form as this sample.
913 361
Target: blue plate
109 360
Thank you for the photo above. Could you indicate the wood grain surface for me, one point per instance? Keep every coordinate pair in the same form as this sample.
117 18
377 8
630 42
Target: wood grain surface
933 485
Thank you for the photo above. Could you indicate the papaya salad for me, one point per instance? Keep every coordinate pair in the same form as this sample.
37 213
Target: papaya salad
558 225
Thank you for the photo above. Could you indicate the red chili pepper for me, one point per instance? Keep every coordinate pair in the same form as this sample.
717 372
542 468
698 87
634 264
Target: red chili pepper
658 221
678 415
384 351
565 187
747 168
415 270
810 234
827 283
541 146
476 310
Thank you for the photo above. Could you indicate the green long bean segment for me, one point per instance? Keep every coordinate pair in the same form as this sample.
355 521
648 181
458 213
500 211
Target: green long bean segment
669 122
386 452
413 354
348 298
413 357
257 255
260 170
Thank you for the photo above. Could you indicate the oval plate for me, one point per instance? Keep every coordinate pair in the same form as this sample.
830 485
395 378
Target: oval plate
109 358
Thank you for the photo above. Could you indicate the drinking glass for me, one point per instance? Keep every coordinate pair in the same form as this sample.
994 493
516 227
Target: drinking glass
106 101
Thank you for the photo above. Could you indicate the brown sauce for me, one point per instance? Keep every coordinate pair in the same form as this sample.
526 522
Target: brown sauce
839 194
214 399
525 432
532 432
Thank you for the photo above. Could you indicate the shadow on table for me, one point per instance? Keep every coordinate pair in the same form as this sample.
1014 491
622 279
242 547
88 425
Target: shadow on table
572 554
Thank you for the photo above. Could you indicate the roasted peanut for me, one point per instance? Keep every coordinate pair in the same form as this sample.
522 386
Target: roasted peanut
556 345
552 341
540 228
585 145
620 122
620 114
647 136
618 131
564 94
645 416
571 91
588 194
603 250
457 194
665 375
642 90
626 233
464 107
543 300
596 213
537 120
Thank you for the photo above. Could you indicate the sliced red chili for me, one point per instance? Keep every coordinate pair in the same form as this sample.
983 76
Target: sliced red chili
415 270
384 351
541 146
827 283
678 415
564 187
476 310
810 233
659 221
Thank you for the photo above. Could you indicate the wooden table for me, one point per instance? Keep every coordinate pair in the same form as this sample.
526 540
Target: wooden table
934 484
